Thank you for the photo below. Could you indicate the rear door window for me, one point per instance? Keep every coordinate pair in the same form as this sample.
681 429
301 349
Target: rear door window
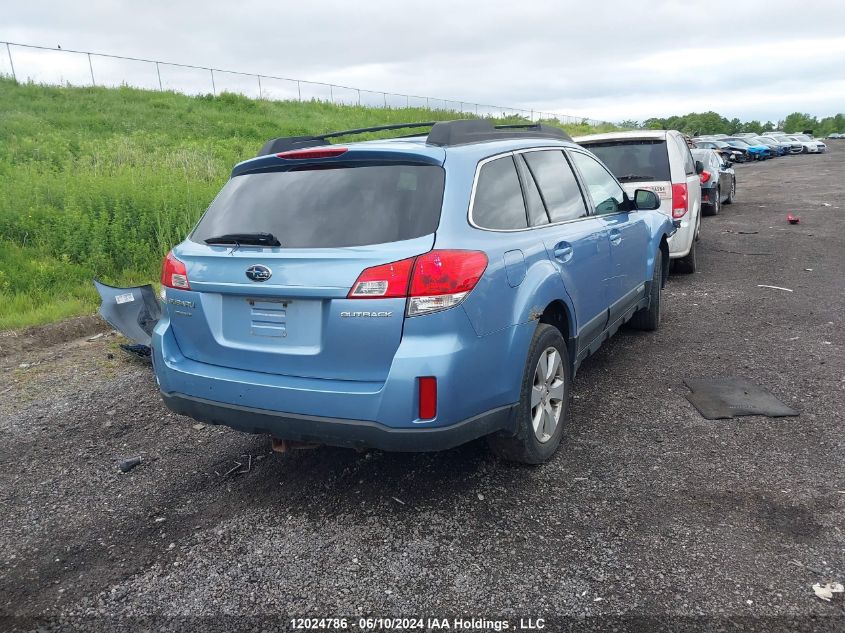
634 161
557 183
689 164
498 202
329 207
606 193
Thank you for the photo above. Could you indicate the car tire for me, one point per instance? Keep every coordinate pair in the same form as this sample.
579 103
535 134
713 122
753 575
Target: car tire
687 264
539 427
714 207
648 319
732 194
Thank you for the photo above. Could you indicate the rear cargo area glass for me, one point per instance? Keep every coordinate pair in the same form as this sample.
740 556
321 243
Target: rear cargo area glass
640 160
320 207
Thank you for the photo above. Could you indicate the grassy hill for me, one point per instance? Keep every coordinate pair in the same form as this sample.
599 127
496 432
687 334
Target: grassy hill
102 182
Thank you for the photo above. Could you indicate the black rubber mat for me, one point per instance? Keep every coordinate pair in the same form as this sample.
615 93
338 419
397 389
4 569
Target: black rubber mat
720 398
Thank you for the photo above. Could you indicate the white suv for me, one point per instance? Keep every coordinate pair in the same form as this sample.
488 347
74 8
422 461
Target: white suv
659 160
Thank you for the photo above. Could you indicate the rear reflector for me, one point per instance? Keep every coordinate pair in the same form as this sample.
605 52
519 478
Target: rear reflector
705 176
314 152
173 273
428 397
679 200
435 281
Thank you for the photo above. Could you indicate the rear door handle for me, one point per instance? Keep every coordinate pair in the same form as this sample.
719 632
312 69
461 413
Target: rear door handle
563 251
615 236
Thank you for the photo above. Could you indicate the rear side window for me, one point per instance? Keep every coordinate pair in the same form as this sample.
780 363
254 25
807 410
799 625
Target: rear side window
558 185
498 200
634 161
329 207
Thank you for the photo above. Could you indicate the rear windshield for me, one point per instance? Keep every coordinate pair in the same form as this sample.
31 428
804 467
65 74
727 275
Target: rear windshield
329 207
634 160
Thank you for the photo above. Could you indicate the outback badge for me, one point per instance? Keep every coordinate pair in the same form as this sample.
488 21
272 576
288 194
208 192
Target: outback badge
257 272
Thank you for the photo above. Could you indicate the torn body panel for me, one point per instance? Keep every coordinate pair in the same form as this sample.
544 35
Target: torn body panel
131 311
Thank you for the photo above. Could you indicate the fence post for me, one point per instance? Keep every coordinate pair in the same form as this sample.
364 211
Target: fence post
158 72
91 68
384 94
331 94
11 63
299 90
259 86
407 101
213 87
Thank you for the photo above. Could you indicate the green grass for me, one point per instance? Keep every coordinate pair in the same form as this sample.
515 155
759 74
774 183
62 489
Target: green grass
102 182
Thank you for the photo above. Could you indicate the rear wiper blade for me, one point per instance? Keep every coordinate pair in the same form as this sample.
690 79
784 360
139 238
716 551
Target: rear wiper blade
256 239
634 177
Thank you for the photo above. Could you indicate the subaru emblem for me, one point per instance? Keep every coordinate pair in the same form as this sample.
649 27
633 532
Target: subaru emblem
257 272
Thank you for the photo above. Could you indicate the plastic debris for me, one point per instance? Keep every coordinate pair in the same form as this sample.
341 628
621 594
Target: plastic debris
128 464
95 337
793 219
142 351
825 592
199 426
773 287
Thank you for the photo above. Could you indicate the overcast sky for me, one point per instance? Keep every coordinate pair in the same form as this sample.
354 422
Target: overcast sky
610 60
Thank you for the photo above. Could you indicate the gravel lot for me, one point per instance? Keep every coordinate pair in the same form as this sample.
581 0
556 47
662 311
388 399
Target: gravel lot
647 511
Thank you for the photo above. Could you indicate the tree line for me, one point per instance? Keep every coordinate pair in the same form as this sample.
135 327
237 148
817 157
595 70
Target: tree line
696 123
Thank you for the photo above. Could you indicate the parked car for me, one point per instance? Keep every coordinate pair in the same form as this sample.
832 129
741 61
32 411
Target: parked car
755 151
718 181
835 135
810 145
794 146
778 148
658 160
735 155
406 294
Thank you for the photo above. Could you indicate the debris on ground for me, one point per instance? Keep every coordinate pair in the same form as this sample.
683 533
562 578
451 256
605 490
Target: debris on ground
723 398
793 219
825 592
128 464
397 500
198 426
774 287
141 351
95 337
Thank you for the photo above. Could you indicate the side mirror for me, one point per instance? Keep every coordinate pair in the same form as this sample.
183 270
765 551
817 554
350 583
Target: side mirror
699 167
646 200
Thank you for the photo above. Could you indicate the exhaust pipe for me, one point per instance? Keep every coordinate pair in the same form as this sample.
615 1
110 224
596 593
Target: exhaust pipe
285 446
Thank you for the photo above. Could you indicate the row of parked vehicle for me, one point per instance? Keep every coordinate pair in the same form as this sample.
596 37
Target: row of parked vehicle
744 147
416 293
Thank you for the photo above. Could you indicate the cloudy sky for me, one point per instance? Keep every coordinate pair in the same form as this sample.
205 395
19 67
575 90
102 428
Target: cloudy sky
609 60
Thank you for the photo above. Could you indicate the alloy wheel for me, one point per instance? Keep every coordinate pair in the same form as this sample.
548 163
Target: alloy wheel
547 394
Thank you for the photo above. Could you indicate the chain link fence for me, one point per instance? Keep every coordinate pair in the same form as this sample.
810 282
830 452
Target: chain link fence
57 66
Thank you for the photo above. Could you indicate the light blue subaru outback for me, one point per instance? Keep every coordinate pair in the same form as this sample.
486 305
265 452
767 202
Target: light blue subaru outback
407 294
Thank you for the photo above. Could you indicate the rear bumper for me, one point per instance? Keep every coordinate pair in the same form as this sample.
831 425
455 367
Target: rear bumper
343 432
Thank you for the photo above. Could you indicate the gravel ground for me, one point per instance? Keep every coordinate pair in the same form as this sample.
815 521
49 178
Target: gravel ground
649 516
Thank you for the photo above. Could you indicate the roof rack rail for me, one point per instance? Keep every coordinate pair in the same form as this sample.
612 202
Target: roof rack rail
465 131
285 143
442 133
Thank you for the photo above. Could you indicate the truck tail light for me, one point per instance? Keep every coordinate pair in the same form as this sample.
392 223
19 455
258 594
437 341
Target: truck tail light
680 200
174 274
705 176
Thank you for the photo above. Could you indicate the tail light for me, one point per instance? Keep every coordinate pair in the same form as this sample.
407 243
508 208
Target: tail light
435 281
428 397
315 152
680 200
705 176
174 274
383 282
